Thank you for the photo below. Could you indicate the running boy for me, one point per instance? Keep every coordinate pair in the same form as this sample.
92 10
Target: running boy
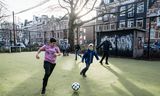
88 57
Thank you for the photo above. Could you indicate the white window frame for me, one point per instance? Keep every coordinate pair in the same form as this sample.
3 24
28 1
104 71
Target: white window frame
129 23
131 10
98 28
122 22
140 7
137 21
105 27
122 12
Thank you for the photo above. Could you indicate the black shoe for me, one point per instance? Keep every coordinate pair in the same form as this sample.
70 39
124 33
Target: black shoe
84 75
101 63
107 63
43 91
80 73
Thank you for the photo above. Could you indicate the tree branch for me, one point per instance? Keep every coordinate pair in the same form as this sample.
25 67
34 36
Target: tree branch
66 1
88 11
76 3
64 16
63 6
82 7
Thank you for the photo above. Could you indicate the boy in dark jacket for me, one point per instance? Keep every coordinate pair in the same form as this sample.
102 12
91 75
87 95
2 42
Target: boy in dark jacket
88 57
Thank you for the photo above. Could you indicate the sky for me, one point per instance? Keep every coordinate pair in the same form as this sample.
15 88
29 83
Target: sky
19 5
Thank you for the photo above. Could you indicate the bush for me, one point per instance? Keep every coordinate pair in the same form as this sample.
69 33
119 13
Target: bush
153 54
3 50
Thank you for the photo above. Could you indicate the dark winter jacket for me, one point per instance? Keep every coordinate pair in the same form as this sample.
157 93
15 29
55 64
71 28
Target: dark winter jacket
106 45
77 47
88 56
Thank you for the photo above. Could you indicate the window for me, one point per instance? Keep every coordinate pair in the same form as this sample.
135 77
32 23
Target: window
111 1
130 23
58 35
65 26
99 18
131 10
122 24
96 28
122 10
106 1
84 37
39 35
57 27
105 27
112 16
112 26
158 12
84 30
99 28
55 35
139 23
106 17
158 21
140 7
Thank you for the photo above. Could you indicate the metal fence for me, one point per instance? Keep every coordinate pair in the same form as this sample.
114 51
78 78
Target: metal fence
22 38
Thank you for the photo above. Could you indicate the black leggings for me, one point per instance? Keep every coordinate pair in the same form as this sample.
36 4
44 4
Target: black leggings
48 71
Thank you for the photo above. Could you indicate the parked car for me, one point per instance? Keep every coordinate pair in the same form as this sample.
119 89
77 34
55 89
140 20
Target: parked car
21 45
152 47
157 45
2 43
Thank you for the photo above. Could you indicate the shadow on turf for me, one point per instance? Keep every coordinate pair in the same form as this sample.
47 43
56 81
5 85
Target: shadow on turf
130 86
75 94
30 84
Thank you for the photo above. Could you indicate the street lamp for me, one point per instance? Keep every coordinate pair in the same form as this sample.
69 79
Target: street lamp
148 45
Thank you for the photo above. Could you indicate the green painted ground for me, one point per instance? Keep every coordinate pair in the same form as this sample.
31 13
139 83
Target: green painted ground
21 75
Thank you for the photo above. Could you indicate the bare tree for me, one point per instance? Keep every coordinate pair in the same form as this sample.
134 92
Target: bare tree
75 10
2 10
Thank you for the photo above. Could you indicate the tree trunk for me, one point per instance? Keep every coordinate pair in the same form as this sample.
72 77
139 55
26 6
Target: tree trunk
71 39
71 34
72 18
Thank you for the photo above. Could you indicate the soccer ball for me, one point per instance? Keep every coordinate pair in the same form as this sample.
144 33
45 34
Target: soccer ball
75 86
